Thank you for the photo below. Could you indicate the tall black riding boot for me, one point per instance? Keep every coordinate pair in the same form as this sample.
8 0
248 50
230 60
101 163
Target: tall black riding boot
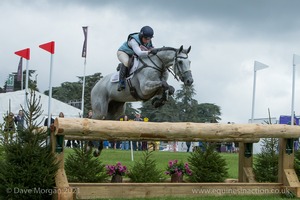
122 76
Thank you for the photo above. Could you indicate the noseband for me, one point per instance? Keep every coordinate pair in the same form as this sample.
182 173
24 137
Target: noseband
177 70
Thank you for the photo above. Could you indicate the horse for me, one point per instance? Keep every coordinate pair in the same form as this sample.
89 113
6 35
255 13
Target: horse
147 81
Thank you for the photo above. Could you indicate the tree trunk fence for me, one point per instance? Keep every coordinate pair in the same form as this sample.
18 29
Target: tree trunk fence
245 134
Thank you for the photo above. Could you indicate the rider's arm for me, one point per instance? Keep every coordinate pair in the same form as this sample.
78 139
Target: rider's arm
136 48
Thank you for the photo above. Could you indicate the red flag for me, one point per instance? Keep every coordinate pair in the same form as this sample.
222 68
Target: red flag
85 32
25 53
19 73
48 47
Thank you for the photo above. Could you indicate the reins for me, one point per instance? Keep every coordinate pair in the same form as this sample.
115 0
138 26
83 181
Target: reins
164 67
161 69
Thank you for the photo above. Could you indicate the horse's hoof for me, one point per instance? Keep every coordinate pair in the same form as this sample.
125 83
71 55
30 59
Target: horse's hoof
157 102
171 90
96 153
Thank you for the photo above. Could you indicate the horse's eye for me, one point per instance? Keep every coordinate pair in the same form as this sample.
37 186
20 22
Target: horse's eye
180 62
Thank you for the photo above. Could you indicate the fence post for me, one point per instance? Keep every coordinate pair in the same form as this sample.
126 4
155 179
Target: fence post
245 162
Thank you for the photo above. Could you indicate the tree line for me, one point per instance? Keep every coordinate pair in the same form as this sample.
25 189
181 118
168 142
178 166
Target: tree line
182 107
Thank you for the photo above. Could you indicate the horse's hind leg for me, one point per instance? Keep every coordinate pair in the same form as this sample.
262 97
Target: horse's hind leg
100 109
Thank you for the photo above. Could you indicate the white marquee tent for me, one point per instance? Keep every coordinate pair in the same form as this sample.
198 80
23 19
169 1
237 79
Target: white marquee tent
12 101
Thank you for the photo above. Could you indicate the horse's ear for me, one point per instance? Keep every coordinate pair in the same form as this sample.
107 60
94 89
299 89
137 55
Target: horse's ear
180 49
188 50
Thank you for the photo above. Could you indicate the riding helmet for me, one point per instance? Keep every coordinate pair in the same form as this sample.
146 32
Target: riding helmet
147 32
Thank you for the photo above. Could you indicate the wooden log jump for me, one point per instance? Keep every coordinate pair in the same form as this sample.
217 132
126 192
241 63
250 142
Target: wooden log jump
246 134
181 131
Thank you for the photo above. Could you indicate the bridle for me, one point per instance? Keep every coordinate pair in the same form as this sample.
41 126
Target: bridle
176 72
176 68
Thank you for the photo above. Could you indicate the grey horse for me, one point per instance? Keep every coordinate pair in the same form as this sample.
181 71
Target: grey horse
148 81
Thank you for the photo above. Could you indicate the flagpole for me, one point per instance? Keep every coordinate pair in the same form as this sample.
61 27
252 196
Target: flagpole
50 92
131 150
50 46
257 66
25 53
83 85
22 78
293 89
26 83
84 54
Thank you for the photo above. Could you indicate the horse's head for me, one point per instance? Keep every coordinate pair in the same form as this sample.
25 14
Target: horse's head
181 66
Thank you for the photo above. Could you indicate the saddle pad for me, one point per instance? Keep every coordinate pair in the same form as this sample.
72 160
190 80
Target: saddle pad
115 76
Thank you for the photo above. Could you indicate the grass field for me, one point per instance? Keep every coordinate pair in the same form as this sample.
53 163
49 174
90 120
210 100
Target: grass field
110 156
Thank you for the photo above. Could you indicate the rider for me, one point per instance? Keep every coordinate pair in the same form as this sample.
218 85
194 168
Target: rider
138 44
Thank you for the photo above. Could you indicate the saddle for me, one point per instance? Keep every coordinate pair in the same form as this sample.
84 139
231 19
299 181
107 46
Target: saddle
132 66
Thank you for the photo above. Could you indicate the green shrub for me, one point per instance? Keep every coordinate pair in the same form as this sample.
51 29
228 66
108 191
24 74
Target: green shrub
28 168
145 170
297 163
82 166
265 165
207 166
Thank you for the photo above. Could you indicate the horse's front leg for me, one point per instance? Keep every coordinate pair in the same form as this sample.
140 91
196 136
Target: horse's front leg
149 87
162 87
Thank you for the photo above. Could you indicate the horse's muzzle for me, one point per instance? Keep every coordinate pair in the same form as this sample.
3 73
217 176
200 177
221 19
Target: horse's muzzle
187 78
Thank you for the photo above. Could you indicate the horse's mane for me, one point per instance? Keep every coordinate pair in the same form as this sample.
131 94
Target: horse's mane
166 49
170 49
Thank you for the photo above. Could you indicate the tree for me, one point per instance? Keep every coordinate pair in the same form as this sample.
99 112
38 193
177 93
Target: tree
66 91
182 108
208 112
145 170
207 166
28 163
166 113
82 166
32 84
186 103
266 162
130 111
90 82
72 91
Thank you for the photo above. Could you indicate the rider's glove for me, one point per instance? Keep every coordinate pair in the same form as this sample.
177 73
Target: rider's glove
153 51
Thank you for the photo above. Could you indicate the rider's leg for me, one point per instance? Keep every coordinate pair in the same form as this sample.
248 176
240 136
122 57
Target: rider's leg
123 58
122 77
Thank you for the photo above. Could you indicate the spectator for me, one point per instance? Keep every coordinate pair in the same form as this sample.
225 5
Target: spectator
9 127
46 121
90 114
9 123
61 114
125 144
188 145
137 145
229 147
19 120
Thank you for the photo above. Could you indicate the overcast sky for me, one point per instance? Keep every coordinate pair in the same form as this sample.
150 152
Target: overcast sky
226 36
